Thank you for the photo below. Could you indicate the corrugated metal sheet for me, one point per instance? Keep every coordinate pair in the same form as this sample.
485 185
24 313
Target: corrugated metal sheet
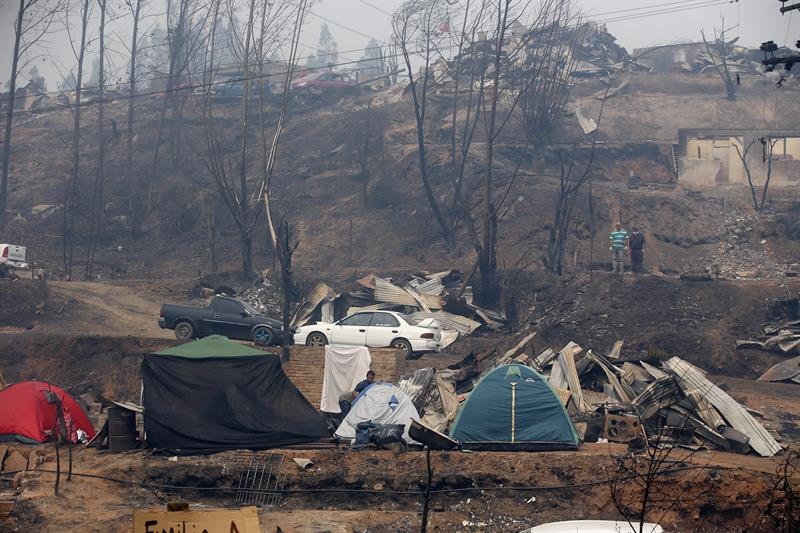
320 292
566 359
690 377
658 395
446 320
385 291
433 286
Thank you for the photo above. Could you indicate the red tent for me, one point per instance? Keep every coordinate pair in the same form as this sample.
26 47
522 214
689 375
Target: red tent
27 415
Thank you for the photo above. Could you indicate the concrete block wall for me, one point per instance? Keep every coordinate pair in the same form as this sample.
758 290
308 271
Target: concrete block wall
306 368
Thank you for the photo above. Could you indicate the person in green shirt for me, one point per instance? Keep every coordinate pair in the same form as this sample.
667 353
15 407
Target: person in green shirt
619 243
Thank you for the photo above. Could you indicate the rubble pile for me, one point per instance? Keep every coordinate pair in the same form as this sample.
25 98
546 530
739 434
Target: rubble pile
670 404
739 252
781 336
597 52
263 297
667 403
442 296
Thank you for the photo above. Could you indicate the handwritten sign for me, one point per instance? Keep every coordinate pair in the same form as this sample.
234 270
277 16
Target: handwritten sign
244 520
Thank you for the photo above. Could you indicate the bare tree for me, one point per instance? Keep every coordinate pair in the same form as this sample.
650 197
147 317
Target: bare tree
767 149
783 509
719 52
34 18
642 488
416 31
97 215
134 199
571 181
283 247
72 189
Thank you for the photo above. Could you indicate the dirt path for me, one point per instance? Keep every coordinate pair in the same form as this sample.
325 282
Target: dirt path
102 309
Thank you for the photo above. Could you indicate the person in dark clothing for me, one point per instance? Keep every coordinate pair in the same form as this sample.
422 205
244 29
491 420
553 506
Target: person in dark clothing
637 244
364 383
347 397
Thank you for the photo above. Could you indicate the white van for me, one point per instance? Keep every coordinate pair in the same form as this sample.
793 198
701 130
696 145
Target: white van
13 255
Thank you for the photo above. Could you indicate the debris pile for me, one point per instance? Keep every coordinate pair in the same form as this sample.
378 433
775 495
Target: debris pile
443 296
666 404
598 53
262 296
674 404
782 336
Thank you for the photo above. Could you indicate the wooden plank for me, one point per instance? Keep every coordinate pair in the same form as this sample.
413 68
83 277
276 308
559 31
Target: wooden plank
616 350
690 378
543 358
520 345
557 378
566 359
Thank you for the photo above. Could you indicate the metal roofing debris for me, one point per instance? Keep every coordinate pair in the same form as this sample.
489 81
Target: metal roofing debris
319 293
588 125
461 324
690 377
428 293
780 336
566 359
784 371
679 398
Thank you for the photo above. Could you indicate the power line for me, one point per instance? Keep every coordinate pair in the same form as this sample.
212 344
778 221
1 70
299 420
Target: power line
641 8
200 85
346 28
218 67
666 11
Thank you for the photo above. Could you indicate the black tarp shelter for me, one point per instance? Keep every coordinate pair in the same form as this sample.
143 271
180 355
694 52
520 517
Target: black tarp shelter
214 394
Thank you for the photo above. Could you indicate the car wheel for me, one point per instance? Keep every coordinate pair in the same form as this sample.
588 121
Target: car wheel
263 336
184 330
402 344
316 339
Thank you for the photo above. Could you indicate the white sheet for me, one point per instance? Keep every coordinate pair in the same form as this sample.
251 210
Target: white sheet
381 403
345 367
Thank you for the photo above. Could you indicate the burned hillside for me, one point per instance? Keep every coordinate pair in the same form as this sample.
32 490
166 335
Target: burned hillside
495 271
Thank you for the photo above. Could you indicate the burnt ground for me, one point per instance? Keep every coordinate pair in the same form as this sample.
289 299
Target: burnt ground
659 316
381 491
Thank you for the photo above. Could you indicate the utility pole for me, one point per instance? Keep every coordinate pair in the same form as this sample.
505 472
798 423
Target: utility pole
769 48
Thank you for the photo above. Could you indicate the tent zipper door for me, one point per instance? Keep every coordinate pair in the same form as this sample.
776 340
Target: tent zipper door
513 411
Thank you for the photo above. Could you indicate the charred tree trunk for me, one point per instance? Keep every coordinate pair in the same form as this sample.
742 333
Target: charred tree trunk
98 208
285 252
73 187
9 110
134 197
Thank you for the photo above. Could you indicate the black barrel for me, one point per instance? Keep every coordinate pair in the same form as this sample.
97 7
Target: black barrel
121 429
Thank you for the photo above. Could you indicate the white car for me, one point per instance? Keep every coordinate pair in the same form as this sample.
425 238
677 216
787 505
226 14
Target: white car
376 329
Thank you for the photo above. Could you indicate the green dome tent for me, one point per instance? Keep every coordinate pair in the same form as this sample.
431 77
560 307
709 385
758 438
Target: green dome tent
514 408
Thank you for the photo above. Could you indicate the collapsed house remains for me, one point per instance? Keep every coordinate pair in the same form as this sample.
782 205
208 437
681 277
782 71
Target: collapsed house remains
607 397
442 296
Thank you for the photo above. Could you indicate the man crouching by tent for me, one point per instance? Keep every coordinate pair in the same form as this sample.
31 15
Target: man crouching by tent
347 397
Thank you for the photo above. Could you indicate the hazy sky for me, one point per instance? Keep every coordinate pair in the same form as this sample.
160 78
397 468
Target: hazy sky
635 23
